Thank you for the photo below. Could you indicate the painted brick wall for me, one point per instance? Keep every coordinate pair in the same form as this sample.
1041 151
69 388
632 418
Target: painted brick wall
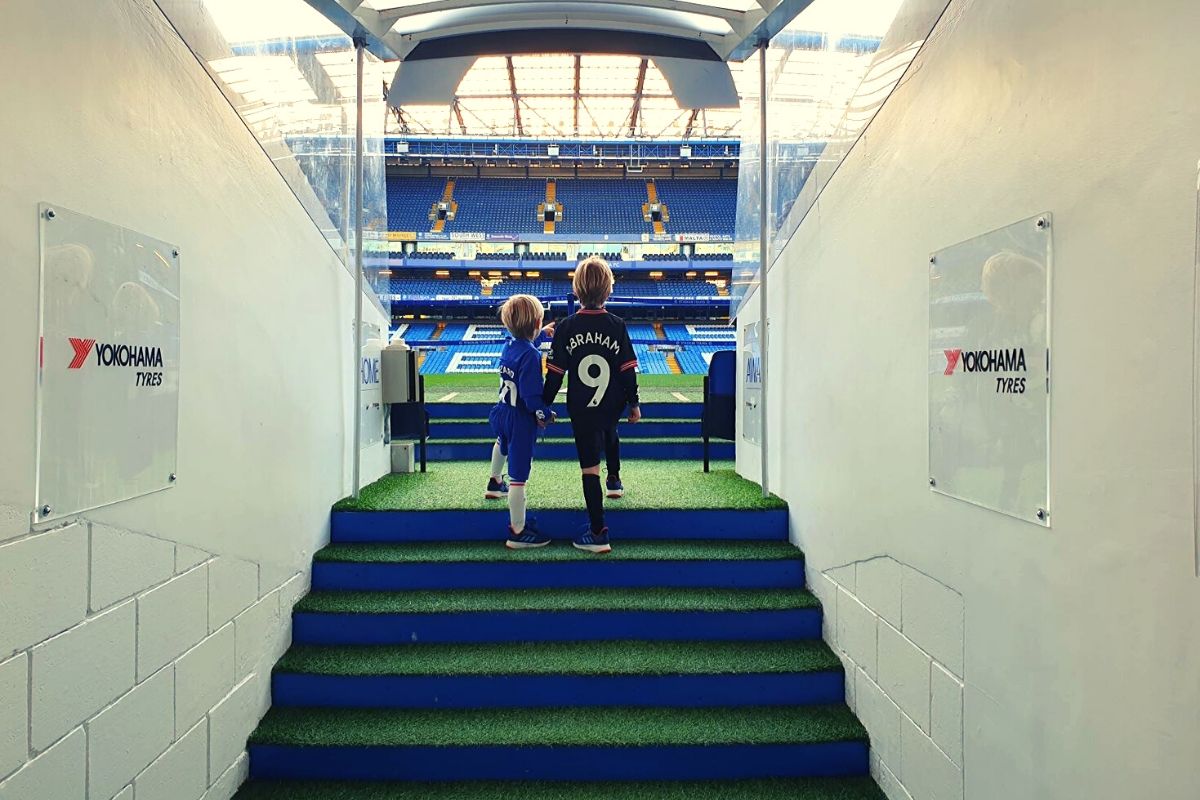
132 665
900 636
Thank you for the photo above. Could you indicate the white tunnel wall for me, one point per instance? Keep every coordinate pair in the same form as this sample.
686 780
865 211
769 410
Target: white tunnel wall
136 643
988 656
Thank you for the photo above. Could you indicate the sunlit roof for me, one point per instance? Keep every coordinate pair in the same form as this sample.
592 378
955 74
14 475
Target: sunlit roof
539 97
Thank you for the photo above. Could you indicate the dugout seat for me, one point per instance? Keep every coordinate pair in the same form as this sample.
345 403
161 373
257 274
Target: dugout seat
718 419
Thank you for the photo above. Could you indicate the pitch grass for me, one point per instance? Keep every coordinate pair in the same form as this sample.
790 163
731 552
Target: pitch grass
558 727
442 552
649 485
481 388
566 658
461 601
762 789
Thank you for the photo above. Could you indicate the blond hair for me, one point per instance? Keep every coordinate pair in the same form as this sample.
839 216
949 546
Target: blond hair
522 315
593 282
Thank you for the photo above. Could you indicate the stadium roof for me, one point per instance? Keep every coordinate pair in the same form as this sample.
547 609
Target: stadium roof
396 29
296 69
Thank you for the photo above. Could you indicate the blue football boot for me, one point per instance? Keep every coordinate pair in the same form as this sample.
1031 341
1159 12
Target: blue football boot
496 489
614 488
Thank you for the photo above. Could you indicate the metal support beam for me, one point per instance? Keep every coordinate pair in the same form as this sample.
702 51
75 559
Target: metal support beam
637 97
691 123
512 88
390 16
458 113
356 362
578 70
763 228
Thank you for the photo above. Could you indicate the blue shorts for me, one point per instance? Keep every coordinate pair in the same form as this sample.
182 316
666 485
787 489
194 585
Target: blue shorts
516 432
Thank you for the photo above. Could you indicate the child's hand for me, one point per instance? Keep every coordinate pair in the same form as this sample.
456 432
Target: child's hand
548 330
635 413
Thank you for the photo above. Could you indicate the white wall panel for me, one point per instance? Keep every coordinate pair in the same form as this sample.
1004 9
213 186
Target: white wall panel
1079 646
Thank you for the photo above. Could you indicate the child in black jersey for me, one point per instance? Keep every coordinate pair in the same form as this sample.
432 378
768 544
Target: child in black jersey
593 347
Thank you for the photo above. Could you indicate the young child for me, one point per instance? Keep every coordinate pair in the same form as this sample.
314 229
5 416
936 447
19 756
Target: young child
593 346
517 415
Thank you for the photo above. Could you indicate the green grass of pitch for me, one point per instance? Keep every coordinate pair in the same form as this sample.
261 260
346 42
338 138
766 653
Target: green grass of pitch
481 388
649 485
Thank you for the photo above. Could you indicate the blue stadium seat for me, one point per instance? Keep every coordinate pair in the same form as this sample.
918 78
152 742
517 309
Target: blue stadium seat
409 201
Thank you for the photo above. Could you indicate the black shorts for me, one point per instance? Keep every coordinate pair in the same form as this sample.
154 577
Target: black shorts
593 440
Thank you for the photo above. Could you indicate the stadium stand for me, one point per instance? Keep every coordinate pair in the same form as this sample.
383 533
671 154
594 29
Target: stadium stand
409 201
592 205
498 205
699 333
670 307
699 205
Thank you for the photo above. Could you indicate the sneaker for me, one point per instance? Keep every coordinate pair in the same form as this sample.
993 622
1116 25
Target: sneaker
496 490
614 487
593 542
529 537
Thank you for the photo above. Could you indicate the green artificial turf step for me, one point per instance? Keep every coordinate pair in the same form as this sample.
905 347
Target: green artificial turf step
573 599
449 552
649 486
562 727
565 658
760 789
434 422
565 437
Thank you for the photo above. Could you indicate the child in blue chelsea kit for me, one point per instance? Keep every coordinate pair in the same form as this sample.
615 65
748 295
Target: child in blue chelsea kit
517 416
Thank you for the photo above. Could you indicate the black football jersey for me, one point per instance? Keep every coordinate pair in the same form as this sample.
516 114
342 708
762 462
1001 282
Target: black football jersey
592 348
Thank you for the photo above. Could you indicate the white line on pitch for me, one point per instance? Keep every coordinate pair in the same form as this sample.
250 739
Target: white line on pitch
681 397
447 398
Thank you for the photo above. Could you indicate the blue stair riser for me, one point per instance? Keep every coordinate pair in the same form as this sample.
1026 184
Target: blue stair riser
715 762
594 572
556 626
643 430
553 691
565 451
481 410
436 526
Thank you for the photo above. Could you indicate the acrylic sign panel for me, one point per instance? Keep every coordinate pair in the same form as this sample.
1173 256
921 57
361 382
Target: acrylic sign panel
108 367
751 384
989 361
370 386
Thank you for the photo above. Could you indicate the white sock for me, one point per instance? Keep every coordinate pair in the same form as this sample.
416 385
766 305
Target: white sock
516 506
497 462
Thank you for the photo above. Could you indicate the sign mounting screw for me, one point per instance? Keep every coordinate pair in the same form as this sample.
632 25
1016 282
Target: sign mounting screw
933 481
45 510
171 477
50 213
1043 223
1042 514
175 253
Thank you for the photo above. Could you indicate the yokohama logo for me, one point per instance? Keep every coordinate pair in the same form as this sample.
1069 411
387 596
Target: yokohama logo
952 357
83 348
115 355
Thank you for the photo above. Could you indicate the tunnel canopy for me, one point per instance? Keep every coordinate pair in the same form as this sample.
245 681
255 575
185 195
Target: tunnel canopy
438 41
